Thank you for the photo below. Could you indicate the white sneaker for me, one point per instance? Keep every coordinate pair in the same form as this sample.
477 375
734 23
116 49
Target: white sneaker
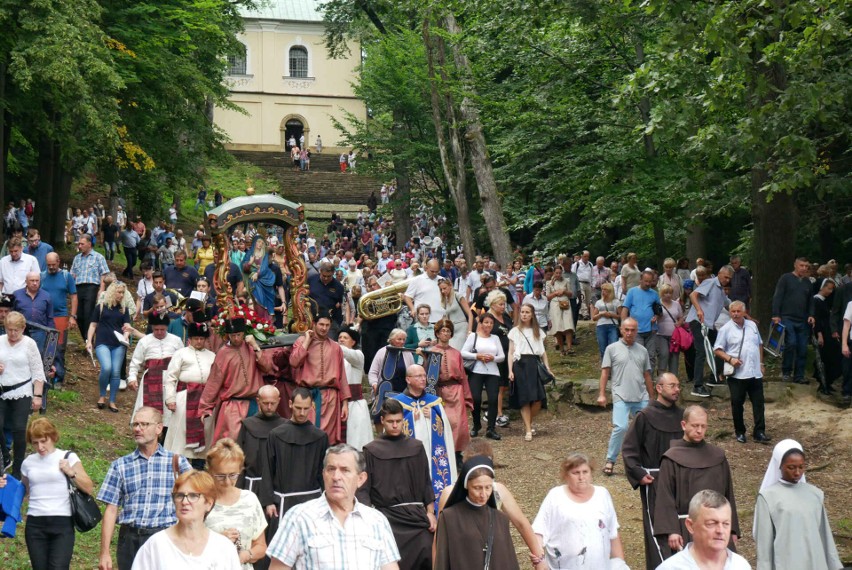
122 386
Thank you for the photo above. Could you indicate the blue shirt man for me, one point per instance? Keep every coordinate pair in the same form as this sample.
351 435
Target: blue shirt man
327 292
59 284
33 302
639 305
37 248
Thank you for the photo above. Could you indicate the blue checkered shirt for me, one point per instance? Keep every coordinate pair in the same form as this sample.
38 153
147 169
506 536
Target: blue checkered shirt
311 538
142 488
87 269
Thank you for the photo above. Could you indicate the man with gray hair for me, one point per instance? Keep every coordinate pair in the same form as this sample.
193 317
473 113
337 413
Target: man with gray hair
583 269
739 345
709 523
708 300
423 290
353 535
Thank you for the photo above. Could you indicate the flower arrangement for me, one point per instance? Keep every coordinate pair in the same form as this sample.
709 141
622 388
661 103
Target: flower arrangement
257 326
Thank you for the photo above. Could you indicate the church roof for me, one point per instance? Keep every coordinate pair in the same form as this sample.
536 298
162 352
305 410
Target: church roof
290 10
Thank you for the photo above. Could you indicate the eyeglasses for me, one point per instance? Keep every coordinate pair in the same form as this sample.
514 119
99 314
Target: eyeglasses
143 425
223 476
191 497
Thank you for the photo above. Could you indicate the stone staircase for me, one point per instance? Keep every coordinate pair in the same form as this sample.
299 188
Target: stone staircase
323 184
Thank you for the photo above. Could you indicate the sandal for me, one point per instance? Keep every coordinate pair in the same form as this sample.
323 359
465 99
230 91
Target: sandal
607 470
528 437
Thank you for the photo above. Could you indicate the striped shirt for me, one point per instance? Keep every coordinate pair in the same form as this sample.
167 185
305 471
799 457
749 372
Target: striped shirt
311 538
142 487
88 269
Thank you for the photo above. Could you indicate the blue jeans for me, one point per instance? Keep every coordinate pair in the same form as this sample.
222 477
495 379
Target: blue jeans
796 336
607 334
621 414
111 360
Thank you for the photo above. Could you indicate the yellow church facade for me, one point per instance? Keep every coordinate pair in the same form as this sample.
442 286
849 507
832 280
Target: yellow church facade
286 83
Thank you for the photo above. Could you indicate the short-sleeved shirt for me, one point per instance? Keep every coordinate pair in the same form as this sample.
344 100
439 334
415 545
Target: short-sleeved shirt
311 538
627 365
632 276
48 485
607 307
327 296
246 515
526 343
729 339
423 290
109 321
88 269
540 307
640 304
683 560
141 488
847 316
712 299
59 285
183 280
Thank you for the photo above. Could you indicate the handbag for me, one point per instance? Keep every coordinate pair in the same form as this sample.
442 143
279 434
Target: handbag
84 509
728 368
564 305
469 363
681 338
543 373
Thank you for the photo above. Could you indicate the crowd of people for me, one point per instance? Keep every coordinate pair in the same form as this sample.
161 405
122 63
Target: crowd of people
279 457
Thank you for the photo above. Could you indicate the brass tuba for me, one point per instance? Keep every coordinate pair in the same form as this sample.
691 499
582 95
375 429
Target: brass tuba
386 301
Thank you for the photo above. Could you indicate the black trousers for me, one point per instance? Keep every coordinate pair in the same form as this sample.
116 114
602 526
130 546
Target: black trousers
14 414
87 297
491 384
50 542
753 388
130 540
700 354
130 253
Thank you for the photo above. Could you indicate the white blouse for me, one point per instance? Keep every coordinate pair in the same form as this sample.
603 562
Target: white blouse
526 343
187 365
21 362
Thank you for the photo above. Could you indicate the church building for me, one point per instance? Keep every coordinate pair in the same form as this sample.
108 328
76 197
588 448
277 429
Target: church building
286 81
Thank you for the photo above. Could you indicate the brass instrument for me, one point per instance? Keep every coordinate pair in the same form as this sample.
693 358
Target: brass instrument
386 301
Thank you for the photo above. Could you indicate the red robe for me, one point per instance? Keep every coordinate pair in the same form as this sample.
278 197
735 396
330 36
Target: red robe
321 366
454 391
234 380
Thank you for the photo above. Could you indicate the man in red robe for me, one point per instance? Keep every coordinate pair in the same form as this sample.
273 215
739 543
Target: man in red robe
235 378
317 364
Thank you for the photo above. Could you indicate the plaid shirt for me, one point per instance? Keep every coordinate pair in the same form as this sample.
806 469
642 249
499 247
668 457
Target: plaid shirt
142 487
311 538
87 269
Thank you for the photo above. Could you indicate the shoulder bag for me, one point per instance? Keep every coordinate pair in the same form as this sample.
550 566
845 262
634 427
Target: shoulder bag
84 509
469 363
543 373
728 368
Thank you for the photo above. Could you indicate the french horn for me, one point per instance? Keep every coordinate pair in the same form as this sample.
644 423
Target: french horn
386 301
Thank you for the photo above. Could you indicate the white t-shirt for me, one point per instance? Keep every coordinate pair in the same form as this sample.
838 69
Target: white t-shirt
423 290
607 307
160 552
48 485
526 343
683 560
576 534
847 316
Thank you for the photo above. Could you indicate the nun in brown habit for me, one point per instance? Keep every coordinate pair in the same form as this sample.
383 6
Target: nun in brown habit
472 533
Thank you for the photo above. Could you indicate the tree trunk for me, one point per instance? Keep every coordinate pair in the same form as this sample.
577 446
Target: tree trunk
45 187
695 245
3 141
492 208
659 243
454 172
773 245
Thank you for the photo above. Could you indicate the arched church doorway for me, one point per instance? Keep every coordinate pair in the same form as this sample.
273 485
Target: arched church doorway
293 130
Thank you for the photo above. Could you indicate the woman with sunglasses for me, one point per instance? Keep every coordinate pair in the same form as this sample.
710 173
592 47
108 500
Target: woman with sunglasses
237 513
189 544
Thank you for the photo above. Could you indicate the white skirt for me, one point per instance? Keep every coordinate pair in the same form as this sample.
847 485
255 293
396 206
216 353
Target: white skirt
359 428
560 321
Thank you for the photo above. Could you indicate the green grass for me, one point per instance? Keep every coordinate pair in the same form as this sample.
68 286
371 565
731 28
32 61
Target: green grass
97 444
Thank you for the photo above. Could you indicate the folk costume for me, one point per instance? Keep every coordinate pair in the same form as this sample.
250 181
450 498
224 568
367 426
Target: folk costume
454 391
424 418
685 469
148 366
359 428
399 485
185 378
292 472
648 438
320 369
468 534
231 388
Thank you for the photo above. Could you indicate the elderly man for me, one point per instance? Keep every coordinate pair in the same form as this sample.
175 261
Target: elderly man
424 418
38 248
15 266
739 344
140 484
33 302
791 306
708 300
235 378
328 293
583 269
359 537
639 304
317 363
709 523
740 287
600 274
626 362
88 269
689 466
648 438
423 290
60 285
